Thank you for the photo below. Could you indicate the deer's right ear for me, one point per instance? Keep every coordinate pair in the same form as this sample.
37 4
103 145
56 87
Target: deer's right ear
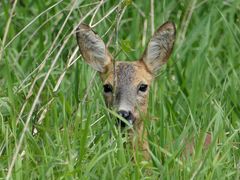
92 48
159 47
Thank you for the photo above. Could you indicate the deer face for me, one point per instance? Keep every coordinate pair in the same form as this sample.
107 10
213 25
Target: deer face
126 86
132 81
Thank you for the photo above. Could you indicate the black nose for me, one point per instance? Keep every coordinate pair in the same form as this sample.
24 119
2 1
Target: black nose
126 115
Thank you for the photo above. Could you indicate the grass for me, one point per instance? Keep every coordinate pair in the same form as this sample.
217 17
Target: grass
54 124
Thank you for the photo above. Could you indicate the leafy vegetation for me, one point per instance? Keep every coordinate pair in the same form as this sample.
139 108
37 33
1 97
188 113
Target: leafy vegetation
53 121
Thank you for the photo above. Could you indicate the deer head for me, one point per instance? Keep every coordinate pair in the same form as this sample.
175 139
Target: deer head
132 79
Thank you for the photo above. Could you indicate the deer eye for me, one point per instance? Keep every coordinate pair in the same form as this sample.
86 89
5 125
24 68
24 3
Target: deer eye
107 88
143 87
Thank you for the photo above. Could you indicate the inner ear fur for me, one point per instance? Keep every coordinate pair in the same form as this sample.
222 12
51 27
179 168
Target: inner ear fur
159 47
92 48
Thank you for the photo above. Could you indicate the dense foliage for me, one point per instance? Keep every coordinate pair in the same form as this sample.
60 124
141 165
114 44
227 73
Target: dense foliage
53 120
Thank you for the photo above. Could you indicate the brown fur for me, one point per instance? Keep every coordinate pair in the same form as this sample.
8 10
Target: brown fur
128 76
139 74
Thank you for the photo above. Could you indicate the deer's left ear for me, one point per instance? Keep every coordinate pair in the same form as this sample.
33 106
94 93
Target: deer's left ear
160 47
92 48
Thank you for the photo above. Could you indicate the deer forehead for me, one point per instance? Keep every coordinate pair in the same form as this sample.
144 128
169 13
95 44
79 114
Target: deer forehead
128 74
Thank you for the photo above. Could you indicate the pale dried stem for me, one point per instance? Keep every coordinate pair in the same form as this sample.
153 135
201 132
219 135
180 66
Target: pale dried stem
186 20
94 75
152 16
104 17
119 16
30 23
144 33
49 53
40 67
42 116
139 10
16 152
69 63
95 12
110 39
47 56
44 83
7 29
21 112
31 38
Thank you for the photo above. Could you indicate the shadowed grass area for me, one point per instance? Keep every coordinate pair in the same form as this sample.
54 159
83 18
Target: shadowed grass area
53 120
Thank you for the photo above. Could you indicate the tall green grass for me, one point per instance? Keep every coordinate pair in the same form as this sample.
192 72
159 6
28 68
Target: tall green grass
53 121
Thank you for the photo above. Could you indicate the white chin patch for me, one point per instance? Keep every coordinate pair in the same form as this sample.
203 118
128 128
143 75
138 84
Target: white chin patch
130 121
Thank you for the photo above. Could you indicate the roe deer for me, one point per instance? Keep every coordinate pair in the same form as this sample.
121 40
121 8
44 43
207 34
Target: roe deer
132 79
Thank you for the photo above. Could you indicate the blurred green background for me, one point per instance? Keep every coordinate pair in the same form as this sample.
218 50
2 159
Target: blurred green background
53 121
